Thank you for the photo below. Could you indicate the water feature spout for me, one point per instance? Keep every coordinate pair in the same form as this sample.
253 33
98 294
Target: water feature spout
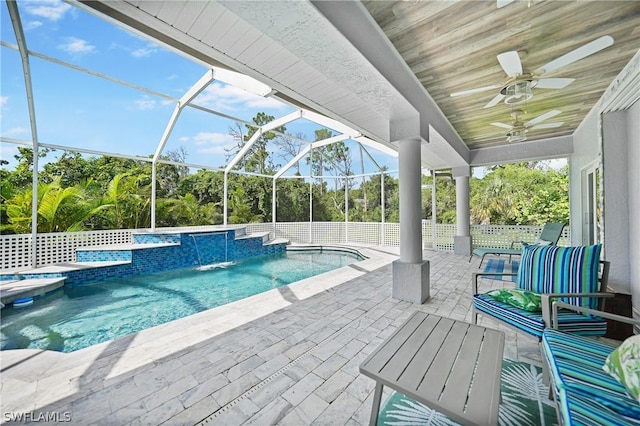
195 243
223 264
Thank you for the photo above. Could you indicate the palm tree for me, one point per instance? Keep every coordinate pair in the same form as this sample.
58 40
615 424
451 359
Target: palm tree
59 209
494 199
127 201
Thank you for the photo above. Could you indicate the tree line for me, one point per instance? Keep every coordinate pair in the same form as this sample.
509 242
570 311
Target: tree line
91 193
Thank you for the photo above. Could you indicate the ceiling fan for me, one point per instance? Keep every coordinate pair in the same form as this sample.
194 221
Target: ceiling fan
517 132
519 84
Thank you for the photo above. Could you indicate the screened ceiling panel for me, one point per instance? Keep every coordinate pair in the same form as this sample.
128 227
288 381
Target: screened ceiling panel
204 136
384 160
239 103
305 129
79 110
13 101
6 28
279 154
101 89
62 31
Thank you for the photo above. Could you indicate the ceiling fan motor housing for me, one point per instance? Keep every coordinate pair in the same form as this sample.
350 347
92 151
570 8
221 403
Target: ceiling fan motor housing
517 135
518 92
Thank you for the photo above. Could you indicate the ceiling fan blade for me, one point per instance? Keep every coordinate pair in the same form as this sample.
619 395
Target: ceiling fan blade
543 117
504 126
495 101
547 125
510 63
477 90
503 3
577 54
554 83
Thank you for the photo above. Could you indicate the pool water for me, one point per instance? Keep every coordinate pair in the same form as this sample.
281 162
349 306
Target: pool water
73 318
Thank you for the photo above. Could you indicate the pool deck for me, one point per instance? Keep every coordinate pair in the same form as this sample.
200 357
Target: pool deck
289 356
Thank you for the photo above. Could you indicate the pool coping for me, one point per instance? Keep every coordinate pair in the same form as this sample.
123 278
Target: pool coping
136 350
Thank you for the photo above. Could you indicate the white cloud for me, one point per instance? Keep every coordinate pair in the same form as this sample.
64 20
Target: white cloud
212 143
145 103
31 25
145 51
76 46
17 131
52 10
4 100
221 97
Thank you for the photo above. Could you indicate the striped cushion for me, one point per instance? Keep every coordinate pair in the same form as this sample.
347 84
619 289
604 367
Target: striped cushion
570 346
532 322
587 394
553 269
580 410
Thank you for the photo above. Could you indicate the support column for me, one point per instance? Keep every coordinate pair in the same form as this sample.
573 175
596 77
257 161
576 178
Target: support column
382 211
225 194
410 272
273 207
462 240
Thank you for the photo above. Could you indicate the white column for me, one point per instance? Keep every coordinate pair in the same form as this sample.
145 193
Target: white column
311 209
434 211
225 195
410 272
273 207
346 209
154 176
382 211
410 202
462 240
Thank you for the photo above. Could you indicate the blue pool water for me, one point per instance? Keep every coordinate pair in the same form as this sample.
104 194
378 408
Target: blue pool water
73 318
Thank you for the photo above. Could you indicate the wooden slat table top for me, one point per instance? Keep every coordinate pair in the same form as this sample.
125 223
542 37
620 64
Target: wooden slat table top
451 366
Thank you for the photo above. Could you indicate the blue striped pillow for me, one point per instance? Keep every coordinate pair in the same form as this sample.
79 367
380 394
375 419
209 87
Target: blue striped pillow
553 269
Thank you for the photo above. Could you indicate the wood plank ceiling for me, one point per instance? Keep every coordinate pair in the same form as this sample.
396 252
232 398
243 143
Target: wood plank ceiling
452 46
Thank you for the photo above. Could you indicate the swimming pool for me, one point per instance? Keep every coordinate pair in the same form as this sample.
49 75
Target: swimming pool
75 317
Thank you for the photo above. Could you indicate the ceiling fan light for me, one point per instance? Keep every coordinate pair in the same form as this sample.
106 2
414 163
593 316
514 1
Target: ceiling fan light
517 135
518 92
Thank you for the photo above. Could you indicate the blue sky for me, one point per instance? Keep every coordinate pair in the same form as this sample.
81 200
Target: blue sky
80 110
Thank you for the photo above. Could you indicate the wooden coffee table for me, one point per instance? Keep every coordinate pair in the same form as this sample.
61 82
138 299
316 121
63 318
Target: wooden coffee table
451 366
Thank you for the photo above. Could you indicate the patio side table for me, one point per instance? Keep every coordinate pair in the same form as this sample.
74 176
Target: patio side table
451 366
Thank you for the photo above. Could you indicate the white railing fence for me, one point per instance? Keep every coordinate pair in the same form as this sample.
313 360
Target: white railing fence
61 247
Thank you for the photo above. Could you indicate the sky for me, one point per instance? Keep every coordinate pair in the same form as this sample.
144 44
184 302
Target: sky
77 109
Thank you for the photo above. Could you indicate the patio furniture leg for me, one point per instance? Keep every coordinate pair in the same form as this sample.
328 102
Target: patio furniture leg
481 260
375 410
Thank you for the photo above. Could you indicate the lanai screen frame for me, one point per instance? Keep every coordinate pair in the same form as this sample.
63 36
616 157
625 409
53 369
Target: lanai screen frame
186 100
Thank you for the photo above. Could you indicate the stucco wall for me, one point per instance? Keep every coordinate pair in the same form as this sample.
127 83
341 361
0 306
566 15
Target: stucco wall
586 150
633 155
616 198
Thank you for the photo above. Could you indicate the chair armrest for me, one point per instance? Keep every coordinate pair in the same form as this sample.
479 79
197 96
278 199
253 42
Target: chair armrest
475 275
547 301
607 315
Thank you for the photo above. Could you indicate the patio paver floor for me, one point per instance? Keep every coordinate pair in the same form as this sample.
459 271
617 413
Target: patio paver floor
289 356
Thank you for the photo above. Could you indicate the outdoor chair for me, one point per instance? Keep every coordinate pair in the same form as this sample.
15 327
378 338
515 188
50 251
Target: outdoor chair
550 235
573 275
593 381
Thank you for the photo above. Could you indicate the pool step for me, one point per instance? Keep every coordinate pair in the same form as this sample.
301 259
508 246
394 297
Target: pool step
264 235
276 241
116 252
30 287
